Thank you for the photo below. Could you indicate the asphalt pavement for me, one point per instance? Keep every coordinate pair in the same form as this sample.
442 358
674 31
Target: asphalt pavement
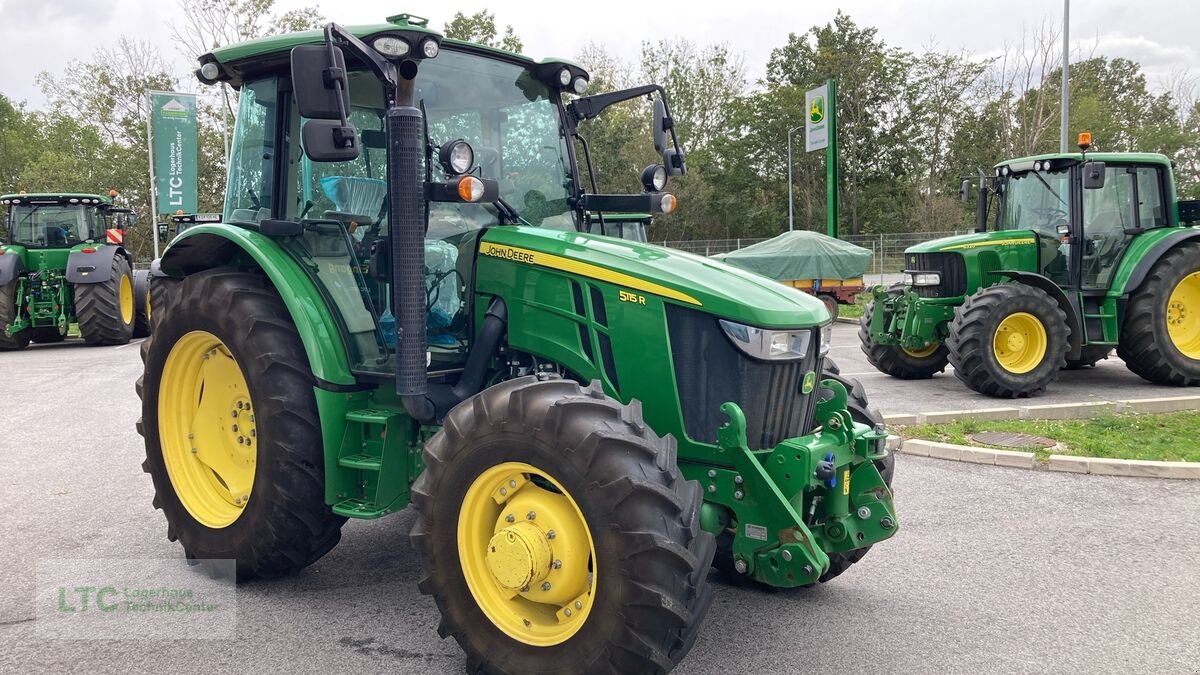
993 570
1110 380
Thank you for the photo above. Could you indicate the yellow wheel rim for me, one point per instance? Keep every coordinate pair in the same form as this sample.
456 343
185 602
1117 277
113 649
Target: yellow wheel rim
1020 343
147 305
1183 316
920 353
125 298
527 554
206 429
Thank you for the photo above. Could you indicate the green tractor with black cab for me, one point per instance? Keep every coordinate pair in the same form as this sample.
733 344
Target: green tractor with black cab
63 261
1086 253
403 305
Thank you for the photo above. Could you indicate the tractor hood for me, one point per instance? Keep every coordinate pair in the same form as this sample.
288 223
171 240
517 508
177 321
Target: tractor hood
975 241
686 279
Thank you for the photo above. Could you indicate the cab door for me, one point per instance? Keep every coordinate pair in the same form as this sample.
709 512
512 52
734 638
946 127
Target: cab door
1130 201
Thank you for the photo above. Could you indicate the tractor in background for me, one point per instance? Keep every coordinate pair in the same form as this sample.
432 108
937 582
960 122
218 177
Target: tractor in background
63 261
1075 255
406 303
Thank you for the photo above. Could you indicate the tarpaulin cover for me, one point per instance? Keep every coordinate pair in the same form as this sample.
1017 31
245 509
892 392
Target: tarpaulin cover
801 255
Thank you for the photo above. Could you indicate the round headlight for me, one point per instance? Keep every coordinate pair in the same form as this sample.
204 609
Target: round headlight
430 48
580 86
210 70
666 204
390 45
1037 166
654 178
456 157
74 201
564 77
1004 170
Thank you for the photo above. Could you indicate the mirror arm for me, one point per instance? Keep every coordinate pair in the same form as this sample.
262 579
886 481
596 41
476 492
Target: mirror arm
383 69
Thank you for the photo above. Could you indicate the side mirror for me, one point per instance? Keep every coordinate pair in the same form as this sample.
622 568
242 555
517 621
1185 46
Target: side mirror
329 141
162 232
659 125
1093 175
317 72
130 219
964 190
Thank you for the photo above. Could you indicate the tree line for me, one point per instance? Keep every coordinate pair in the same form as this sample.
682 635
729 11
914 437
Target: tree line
911 125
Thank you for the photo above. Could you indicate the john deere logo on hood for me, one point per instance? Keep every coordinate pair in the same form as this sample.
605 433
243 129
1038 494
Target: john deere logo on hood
816 111
810 381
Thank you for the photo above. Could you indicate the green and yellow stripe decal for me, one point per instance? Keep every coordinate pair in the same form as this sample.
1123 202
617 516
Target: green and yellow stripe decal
556 262
992 242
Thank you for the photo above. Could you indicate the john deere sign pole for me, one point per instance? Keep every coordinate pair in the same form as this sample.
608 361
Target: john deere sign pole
820 133
171 140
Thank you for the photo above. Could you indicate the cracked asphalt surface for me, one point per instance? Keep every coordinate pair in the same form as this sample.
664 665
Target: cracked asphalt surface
994 569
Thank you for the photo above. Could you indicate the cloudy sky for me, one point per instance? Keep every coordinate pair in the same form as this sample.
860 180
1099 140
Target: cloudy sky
43 35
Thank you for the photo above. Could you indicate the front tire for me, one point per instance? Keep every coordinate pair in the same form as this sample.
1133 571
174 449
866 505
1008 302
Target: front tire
233 442
141 302
622 585
9 313
905 364
1160 338
1009 341
105 310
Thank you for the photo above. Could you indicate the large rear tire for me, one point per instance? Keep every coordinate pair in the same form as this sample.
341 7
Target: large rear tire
1160 338
1009 341
899 362
613 565
8 314
141 301
105 310
233 441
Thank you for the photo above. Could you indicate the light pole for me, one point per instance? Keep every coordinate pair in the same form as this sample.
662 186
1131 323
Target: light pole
791 223
1066 91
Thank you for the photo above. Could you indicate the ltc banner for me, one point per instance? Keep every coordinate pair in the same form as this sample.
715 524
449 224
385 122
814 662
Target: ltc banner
173 150
816 130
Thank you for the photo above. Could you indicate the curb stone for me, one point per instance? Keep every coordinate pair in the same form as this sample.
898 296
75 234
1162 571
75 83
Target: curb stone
1097 466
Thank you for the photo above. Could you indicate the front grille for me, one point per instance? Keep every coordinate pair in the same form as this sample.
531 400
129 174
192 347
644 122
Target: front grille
710 370
951 266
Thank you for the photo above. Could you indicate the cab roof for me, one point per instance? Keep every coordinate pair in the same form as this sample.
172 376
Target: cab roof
1130 157
58 197
238 55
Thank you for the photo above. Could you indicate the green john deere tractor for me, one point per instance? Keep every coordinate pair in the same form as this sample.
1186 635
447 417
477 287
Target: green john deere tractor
404 304
64 262
1088 252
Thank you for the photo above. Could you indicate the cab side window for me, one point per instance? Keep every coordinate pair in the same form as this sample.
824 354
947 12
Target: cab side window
1150 202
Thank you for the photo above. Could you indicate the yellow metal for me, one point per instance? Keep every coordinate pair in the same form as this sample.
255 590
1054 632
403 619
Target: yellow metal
920 353
527 554
125 299
147 304
1020 343
206 429
1183 316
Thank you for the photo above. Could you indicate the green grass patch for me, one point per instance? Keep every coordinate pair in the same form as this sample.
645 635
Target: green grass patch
856 310
1169 437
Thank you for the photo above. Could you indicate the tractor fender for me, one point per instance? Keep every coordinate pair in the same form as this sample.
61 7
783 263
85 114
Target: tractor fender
156 268
1064 303
1151 256
92 268
208 246
10 267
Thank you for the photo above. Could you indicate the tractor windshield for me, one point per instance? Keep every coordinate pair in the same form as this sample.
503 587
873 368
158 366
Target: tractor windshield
48 225
1038 201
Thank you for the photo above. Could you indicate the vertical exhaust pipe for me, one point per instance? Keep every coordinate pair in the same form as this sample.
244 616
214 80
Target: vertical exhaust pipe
406 222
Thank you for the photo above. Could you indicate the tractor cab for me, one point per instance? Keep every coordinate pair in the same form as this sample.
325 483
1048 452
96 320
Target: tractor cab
51 221
498 149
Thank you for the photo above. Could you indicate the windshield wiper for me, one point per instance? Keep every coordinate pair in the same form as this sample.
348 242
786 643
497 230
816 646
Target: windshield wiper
1043 182
507 212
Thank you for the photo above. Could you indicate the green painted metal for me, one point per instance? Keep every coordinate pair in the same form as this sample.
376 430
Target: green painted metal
318 330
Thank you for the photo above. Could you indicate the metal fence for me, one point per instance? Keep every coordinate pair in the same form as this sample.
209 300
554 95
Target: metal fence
887 250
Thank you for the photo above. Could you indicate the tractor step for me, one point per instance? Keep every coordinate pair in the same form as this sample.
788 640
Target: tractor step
362 462
369 416
359 508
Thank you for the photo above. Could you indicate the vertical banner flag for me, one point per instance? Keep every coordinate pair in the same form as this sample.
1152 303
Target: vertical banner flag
816 130
173 150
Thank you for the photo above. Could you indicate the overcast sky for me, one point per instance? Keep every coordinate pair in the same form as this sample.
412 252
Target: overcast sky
43 35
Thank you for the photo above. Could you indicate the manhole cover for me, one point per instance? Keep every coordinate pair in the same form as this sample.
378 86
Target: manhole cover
1009 439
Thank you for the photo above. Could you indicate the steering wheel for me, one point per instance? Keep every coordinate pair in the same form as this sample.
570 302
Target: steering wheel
1050 213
